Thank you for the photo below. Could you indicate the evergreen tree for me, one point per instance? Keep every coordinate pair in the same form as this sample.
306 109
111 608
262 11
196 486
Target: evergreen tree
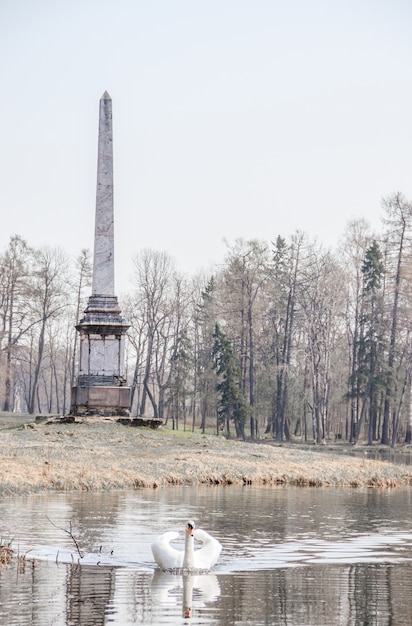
369 373
181 365
232 403
282 314
204 321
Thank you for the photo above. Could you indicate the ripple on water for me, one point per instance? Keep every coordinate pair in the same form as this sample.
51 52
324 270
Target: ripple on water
344 563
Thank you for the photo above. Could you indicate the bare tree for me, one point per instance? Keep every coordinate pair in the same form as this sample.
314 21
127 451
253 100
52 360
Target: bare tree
14 271
161 298
47 301
399 238
137 344
246 274
83 280
322 303
281 313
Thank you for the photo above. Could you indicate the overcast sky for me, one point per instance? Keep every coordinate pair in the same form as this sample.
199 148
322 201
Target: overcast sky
232 118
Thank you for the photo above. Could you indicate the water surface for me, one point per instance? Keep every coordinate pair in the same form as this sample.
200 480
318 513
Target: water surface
291 556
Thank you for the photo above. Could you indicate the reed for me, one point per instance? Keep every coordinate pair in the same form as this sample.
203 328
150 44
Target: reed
6 552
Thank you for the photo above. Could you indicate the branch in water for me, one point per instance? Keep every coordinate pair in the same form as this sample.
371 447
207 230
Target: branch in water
69 532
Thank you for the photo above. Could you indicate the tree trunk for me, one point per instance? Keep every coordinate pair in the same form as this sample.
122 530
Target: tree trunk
408 435
40 349
390 381
145 391
251 374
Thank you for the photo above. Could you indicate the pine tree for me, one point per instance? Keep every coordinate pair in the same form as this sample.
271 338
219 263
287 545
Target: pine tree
232 404
204 320
369 373
181 366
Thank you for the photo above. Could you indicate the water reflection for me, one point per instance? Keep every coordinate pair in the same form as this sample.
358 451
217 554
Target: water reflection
188 585
189 591
290 557
321 596
326 596
400 456
88 593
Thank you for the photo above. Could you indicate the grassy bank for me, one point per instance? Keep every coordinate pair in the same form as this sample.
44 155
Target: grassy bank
102 454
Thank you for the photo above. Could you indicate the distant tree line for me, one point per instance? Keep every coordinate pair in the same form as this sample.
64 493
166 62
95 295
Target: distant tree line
285 339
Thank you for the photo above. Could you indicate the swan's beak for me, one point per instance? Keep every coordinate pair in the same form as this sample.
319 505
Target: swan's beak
190 529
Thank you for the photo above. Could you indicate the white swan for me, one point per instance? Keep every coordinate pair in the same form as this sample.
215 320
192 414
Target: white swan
168 557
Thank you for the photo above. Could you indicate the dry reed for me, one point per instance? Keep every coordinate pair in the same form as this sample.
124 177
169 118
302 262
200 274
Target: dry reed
6 553
98 454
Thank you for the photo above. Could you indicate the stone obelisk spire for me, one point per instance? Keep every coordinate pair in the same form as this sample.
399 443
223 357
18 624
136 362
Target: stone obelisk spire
103 264
101 383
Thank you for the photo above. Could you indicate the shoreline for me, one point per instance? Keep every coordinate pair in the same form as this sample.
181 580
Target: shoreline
100 454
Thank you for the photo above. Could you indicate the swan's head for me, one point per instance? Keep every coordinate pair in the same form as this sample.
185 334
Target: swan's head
190 527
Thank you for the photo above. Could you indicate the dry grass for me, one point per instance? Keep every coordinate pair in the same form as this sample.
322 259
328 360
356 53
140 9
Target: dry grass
101 454
6 553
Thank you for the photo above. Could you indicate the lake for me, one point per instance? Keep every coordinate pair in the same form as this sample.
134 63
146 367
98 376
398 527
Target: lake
291 556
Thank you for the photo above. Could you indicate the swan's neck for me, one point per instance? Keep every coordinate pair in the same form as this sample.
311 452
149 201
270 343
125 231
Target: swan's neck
189 557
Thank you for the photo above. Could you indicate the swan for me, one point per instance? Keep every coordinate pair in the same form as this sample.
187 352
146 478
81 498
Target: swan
168 557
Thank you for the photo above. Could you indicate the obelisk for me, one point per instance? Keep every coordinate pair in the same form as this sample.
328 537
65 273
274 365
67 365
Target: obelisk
101 383
103 263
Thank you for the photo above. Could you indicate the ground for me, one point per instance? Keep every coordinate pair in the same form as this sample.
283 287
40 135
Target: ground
98 453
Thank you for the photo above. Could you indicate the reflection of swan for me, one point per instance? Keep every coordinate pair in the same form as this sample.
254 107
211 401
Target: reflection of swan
168 557
188 584
167 589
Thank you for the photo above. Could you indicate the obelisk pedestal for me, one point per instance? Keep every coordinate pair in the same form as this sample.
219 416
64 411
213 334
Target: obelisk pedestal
101 383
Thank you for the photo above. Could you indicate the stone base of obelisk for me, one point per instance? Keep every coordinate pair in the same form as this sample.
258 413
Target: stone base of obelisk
105 400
